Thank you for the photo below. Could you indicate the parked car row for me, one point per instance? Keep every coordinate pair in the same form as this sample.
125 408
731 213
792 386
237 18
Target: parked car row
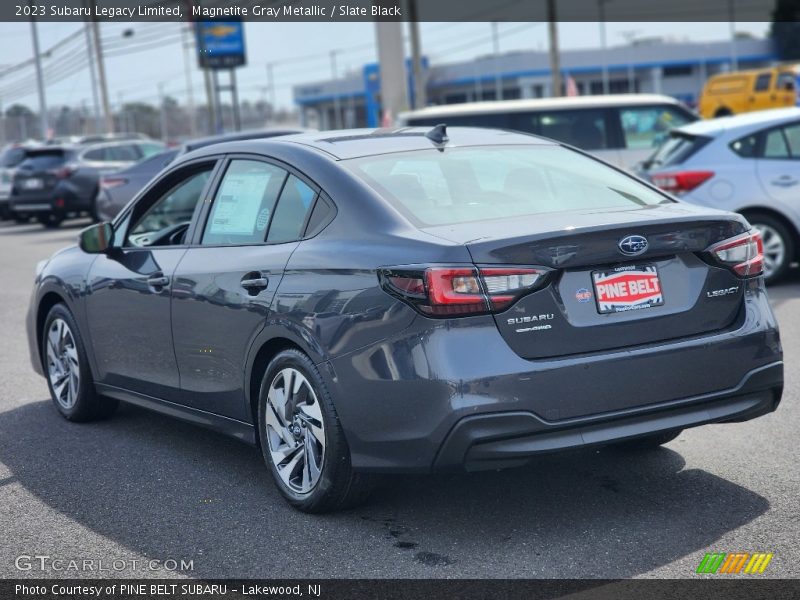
747 163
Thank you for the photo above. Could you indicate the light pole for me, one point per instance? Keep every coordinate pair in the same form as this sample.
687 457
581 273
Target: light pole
187 45
162 113
39 79
101 73
337 106
498 82
732 26
271 86
601 9
555 59
98 122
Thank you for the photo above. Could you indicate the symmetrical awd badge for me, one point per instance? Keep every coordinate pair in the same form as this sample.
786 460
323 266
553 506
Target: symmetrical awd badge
633 245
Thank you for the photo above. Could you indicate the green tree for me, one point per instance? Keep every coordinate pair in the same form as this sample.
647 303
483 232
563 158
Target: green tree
785 31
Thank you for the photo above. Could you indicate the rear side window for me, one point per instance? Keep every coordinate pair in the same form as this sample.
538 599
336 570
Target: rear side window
762 82
244 202
777 143
294 205
792 133
505 182
585 129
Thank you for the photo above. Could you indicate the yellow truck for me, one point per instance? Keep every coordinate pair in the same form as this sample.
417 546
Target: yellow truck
746 91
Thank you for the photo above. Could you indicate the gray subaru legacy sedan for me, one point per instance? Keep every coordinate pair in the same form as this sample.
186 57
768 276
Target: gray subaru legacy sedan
411 300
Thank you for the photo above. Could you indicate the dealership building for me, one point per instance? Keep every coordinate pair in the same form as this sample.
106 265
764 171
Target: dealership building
677 69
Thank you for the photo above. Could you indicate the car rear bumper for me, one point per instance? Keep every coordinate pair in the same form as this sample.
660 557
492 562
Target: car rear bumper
509 439
404 403
33 204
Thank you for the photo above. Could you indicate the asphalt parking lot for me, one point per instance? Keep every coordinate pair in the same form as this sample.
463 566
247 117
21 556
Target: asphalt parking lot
142 486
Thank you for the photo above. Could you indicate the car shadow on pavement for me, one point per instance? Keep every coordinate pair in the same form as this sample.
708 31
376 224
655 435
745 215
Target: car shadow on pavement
165 489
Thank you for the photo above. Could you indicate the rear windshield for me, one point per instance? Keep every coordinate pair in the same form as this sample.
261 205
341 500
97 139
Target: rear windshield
461 185
676 149
44 160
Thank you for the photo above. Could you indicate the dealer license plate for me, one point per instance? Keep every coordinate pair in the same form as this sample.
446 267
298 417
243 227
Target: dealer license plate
632 287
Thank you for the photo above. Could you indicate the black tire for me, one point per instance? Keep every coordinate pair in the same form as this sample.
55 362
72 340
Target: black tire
337 486
776 227
21 219
648 442
723 112
51 220
88 405
5 213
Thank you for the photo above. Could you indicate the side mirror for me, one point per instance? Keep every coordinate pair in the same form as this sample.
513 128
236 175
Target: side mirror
96 239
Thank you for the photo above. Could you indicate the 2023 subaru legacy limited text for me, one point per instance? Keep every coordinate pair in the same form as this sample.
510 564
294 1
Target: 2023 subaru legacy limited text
396 301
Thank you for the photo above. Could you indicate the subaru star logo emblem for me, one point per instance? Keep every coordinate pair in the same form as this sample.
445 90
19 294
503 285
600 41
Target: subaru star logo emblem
633 245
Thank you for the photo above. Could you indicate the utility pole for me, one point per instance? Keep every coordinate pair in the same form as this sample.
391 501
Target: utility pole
498 82
187 45
555 59
732 25
162 113
601 8
337 106
98 122
101 73
39 79
271 86
420 85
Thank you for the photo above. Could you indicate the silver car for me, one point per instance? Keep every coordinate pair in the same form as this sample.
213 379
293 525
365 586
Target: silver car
749 164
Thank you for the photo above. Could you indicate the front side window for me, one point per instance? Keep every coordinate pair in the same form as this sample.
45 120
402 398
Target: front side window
244 203
97 154
166 221
762 82
786 82
647 126
504 182
126 153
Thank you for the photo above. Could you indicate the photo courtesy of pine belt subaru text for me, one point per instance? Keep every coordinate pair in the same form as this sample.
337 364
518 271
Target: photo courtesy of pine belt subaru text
409 301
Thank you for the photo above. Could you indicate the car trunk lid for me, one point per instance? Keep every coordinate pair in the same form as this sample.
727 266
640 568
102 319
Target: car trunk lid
599 297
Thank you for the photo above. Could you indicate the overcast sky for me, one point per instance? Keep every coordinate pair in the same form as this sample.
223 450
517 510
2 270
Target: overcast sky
300 52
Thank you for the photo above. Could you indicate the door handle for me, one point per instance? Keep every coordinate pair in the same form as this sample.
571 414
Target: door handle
158 280
784 181
254 282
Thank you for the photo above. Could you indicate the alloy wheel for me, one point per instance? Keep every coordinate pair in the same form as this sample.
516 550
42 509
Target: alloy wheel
63 367
774 248
295 430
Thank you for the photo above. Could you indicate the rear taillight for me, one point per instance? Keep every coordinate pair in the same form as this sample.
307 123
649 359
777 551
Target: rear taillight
682 181
744 254
111 182
454 291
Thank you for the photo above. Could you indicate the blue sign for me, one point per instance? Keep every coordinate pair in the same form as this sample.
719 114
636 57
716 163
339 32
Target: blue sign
220 44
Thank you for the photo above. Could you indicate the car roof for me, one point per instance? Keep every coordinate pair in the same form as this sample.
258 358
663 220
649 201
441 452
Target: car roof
194 144
502 106
741 122
354 143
